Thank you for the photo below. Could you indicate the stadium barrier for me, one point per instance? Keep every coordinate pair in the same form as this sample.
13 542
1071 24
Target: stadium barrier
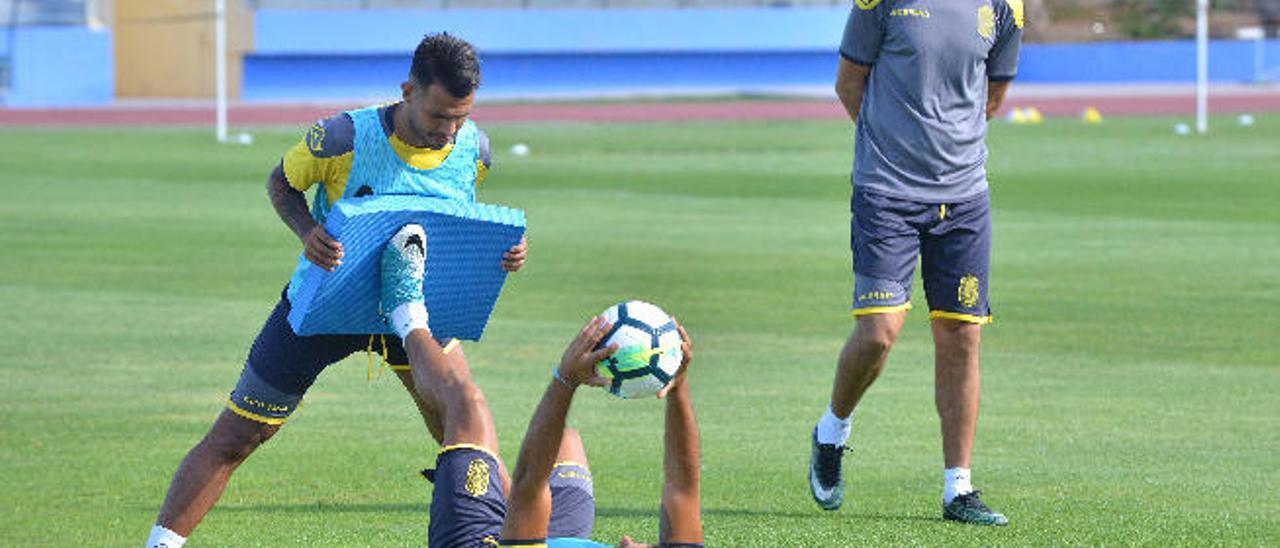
58 66
308 55
298 55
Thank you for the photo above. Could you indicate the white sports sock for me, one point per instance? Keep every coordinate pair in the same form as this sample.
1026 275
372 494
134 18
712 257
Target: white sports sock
955 482
162 537
409 316
832 429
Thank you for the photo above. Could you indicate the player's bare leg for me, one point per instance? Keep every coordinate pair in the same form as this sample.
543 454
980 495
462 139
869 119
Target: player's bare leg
956 387
441 383
204 472
444 386
571 449
863 358
431 416
861 361
957 382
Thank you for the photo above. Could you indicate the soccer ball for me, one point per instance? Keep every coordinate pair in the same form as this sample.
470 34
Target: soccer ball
648 353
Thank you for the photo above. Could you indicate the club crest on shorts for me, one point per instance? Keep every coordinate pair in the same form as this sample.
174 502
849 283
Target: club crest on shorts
477 477
969 292
315 138
986 22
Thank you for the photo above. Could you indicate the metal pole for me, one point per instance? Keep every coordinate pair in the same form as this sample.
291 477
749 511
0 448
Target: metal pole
220 69
1202 66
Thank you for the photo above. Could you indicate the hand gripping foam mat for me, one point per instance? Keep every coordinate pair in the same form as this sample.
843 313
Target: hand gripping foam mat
465 244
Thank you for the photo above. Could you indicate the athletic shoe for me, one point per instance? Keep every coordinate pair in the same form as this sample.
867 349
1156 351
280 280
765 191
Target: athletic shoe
826 481
402 267
968 508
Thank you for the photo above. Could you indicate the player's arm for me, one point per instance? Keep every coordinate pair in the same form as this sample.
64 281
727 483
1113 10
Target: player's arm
529 503
851 85
1002 60
859 50
681 519
321 157
996 90
291 205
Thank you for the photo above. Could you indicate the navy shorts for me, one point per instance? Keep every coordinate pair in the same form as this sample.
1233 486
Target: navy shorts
467 507
467 504
282 365
952 242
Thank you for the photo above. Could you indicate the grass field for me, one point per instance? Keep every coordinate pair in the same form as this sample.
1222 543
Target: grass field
1131 376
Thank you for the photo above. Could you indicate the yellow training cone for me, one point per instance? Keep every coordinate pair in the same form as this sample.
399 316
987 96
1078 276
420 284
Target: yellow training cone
1017 116
1091 116
1034 116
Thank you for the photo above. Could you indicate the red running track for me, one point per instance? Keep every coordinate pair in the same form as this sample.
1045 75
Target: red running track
292 114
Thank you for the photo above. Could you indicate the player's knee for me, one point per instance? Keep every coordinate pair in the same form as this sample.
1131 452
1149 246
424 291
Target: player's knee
875 341
468 396
957 336
233 446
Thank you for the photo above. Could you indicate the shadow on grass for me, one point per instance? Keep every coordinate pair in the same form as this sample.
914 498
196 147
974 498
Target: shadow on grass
607 512
328 507
711 513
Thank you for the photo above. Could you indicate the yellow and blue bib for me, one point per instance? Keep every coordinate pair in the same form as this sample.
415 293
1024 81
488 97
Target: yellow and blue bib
379 164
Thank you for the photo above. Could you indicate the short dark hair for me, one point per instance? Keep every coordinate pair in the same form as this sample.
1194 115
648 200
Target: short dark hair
447 60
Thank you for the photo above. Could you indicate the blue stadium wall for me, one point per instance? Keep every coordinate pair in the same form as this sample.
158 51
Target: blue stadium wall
365 54
58 66
344 55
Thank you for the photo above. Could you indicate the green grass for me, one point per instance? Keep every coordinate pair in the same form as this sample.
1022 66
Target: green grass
1130 377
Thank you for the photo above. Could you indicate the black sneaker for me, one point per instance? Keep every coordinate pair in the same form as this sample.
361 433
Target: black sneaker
968 508
826 481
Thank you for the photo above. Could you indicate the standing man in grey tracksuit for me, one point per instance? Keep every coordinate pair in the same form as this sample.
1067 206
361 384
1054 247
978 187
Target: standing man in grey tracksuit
920 79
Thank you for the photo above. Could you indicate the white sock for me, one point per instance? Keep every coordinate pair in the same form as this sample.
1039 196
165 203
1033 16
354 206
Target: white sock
409 316
955 482
164 538
832 429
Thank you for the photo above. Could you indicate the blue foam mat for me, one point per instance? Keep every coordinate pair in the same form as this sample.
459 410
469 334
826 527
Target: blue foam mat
465 244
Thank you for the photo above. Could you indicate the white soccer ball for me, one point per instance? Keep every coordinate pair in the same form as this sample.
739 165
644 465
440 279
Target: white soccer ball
649 353
520 149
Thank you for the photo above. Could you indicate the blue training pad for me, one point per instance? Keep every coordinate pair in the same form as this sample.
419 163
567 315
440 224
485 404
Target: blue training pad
465 244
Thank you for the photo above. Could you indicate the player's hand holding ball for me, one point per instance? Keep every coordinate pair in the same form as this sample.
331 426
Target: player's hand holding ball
686 354
578 365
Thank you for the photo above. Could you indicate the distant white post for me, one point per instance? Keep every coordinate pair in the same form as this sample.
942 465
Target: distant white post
220 66
1202 66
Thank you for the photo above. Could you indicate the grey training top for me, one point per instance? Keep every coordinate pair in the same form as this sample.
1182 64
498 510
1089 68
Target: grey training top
920 132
